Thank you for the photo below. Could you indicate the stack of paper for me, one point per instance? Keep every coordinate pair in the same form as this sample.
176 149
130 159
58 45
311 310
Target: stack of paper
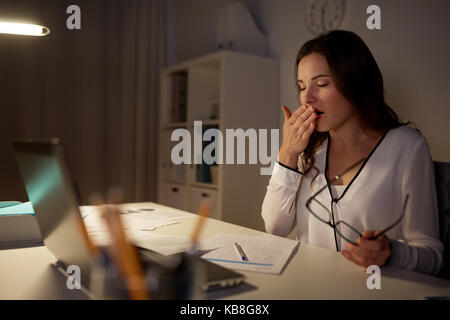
267 254
138 222
163 244
18 226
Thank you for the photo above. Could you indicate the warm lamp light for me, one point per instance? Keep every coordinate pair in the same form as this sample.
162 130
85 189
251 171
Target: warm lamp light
23 29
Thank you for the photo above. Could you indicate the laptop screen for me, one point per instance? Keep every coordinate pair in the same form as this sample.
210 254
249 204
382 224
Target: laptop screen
51 191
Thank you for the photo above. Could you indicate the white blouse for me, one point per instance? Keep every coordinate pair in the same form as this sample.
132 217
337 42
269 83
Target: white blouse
399 165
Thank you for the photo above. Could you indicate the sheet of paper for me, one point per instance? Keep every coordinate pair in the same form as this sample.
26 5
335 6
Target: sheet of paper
137 219
149 213
267 254
164 244
138 224
160 243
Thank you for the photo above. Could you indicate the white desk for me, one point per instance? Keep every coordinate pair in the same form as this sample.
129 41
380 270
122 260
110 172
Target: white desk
313 273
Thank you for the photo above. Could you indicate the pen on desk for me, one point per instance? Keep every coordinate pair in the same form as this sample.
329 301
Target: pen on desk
241 252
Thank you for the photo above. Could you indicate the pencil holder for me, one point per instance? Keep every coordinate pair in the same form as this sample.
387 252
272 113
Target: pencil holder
189 277
106 282
174 277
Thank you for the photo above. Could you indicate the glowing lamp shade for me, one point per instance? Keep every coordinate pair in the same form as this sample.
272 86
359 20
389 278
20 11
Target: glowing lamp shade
23 29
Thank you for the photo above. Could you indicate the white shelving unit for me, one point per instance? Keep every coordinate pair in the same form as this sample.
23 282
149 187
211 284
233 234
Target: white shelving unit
225 90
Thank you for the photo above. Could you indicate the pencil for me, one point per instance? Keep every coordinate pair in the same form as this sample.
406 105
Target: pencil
125 255
203 213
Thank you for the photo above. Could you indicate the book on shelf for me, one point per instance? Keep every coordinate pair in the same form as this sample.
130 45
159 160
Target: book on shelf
179 98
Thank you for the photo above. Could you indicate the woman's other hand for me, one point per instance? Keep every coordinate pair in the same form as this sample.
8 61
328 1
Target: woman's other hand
297 129
369 252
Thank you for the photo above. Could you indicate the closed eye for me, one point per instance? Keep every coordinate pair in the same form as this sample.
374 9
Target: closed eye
319 85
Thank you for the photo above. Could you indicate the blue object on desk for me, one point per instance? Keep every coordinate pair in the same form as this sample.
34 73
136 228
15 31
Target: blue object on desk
14 208
4 204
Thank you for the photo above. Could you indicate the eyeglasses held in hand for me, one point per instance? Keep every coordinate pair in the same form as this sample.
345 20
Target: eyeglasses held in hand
342 228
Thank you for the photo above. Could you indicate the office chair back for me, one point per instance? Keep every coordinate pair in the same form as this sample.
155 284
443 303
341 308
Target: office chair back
442 172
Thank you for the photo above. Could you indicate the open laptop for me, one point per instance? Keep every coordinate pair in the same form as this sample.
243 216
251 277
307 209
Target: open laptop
55 199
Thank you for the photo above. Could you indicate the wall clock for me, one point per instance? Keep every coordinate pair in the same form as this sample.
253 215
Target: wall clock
324 15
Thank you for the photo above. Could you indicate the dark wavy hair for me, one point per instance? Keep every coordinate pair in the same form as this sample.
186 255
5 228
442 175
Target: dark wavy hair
357 77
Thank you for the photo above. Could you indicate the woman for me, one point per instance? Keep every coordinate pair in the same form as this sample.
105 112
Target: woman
344 123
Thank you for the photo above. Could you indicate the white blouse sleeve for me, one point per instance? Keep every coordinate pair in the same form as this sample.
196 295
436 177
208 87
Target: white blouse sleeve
420 249
279 205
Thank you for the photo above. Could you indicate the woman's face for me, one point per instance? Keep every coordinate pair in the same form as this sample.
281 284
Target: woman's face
318 90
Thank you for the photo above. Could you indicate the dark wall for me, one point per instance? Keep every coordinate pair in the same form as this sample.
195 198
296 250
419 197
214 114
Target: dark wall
68 85
52 86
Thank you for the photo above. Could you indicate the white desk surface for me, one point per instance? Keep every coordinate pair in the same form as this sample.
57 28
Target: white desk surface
312 273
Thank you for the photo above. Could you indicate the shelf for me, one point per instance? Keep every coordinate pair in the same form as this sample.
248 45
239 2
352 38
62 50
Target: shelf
211 122
222 90
193 184
206 123
176 125
175 181
204 185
